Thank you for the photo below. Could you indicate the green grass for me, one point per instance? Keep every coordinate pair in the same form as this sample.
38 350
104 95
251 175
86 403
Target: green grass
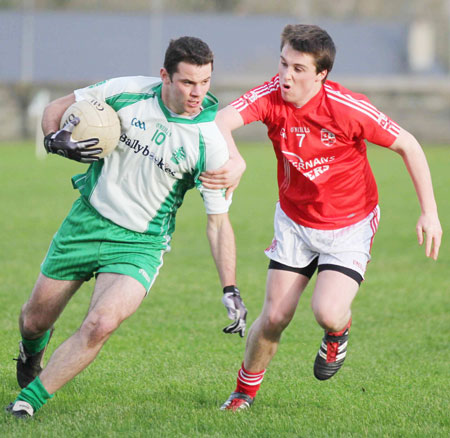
166 371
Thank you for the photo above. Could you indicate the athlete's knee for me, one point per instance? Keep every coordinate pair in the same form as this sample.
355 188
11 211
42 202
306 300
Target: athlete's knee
97 328
275 321
331 318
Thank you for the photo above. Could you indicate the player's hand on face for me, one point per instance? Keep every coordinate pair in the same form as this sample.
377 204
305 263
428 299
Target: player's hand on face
226 177
62 143
429 225
236 311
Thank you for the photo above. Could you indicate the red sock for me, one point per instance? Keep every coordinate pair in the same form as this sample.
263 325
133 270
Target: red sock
249 383
333 347
340 333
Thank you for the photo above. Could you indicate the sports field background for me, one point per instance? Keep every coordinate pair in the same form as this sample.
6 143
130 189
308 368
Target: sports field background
167 370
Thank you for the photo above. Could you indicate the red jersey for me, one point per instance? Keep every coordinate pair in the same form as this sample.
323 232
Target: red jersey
324 178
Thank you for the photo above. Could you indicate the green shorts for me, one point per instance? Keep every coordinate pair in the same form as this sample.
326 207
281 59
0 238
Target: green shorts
87 244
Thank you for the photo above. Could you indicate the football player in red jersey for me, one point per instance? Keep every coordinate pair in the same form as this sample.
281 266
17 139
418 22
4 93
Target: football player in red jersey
327 213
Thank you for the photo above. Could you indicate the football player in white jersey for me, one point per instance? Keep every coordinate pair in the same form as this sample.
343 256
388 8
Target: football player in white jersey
121 226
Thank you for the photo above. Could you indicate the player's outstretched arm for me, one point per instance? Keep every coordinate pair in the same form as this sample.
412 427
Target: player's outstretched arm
428 224
223 248
229 175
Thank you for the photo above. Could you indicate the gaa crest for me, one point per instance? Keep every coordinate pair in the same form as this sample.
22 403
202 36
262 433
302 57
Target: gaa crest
327 137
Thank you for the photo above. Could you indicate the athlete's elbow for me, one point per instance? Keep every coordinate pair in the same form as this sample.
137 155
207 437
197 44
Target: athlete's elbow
405 143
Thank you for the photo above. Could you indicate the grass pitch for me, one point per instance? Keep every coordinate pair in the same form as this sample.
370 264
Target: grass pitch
166 371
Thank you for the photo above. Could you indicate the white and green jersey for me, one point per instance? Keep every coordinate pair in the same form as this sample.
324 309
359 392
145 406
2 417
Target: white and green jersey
160 156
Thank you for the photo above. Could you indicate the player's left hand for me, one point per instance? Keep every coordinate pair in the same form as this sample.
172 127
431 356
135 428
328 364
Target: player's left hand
236 310
429 225
226 177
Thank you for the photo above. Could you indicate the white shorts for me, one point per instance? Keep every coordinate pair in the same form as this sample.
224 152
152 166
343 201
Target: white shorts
297 246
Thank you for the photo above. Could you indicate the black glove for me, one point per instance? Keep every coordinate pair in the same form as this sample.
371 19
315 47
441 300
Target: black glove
62 143
236 310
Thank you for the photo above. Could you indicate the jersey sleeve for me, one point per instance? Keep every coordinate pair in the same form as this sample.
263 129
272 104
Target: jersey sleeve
382 130
216 154
107 89
363 120
255 105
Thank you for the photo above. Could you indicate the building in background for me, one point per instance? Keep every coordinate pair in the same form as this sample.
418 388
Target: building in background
397 52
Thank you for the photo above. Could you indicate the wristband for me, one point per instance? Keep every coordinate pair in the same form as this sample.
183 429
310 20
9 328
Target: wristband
228 289
48 141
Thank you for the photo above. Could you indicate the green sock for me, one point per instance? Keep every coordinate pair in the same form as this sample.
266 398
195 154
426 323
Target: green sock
35 394
34 346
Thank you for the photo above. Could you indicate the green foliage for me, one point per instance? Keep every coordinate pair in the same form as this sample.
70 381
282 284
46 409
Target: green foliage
166 371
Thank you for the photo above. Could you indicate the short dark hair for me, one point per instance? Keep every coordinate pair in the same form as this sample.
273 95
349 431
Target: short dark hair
309 38
187 49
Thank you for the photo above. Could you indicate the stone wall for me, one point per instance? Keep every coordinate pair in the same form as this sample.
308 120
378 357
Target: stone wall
420 105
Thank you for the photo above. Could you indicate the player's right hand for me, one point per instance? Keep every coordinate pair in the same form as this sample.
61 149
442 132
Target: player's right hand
62 143
236 310
227 176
